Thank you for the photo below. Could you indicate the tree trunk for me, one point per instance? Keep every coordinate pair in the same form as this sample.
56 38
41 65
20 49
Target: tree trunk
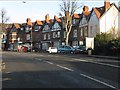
67 39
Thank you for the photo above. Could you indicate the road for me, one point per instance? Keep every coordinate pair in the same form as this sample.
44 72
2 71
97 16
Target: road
43 70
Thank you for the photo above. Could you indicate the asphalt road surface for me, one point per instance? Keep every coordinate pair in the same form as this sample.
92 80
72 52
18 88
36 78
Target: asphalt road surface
43 70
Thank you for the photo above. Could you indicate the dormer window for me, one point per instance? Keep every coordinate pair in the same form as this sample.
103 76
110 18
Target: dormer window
27 29
21 29
46 27
36 28
56 26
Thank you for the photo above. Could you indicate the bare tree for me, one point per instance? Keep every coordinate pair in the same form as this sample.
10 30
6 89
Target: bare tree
68 7
4 19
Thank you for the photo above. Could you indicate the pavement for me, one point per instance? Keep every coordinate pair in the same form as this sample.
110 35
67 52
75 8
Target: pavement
86 55
105 57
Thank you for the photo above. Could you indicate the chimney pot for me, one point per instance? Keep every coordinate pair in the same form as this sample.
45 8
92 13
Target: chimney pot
85 8
47 17
107 5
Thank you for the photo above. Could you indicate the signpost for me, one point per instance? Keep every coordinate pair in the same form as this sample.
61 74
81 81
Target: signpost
89 44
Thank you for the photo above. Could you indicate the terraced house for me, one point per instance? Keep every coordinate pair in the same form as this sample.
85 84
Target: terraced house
51 32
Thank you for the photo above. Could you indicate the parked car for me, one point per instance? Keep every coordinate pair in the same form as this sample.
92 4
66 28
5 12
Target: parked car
35 49
66 49
52 50
80 49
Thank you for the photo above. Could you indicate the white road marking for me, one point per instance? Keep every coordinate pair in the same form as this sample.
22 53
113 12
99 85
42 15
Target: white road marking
98 63
7 72
106 84
64 67
40 55
38 59
81 60
49 62
107 64
5 79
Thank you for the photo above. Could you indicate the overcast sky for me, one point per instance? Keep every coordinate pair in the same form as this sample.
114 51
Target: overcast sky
19 11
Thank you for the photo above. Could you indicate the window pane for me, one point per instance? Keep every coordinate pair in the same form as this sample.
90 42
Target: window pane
58 34
81 32
75 33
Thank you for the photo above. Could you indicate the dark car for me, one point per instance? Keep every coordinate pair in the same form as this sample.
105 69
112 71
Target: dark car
66 49
80 49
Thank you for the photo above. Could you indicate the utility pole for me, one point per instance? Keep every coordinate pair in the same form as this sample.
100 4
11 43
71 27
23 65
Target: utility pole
31 23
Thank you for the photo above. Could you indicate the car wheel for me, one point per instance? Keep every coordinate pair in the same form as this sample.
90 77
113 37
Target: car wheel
71 52
59 52
50 52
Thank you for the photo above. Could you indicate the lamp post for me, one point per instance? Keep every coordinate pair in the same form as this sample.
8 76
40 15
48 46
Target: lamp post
31 23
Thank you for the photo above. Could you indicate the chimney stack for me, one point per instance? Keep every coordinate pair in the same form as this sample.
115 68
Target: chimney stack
107 5
47 18
85 9
28 20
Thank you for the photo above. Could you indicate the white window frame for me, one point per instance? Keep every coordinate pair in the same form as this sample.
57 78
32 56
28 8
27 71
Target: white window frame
64 34
75 33
81 32
21 29
27 29
27 36
36 28
44 37
48 36
58 34
54 34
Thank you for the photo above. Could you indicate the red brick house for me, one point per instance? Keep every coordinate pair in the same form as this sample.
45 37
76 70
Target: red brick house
13 36
37 35
46 32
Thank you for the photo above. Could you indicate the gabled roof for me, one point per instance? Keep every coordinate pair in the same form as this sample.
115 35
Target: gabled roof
87 15
39 22
49 23
77 16
16 25
57 19
99 11
29 23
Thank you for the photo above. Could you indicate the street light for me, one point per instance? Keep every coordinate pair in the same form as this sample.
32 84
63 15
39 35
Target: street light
31 23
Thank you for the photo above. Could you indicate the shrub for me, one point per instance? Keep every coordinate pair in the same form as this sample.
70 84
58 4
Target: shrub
105 45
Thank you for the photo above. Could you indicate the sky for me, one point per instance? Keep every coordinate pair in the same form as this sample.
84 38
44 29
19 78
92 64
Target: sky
36 10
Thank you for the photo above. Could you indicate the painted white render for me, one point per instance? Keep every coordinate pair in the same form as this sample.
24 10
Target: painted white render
93 26
109 20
